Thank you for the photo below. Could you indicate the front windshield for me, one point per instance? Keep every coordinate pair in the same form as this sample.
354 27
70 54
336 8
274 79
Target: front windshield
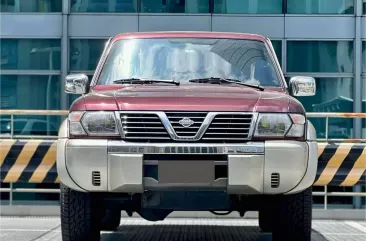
184 59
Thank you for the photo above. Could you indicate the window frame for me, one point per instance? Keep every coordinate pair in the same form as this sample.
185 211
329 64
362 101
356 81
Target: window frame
286 5
37 12
86 71
34 71
321 73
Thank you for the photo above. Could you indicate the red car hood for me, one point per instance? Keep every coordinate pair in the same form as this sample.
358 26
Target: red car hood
190 97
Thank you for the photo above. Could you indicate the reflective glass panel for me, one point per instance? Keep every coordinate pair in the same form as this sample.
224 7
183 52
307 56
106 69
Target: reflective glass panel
112 6
320 56
332 95
190 58
364 6
30 6
30 54
174 6
364 56
85 53
248 6
30 92
277 45
320 6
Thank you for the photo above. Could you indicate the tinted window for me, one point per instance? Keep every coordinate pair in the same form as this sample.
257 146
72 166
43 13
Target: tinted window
32 54
320 6
31 6
103 6
173 6
320 56
5 126
277 45
30 92
185 59
85 53
249 6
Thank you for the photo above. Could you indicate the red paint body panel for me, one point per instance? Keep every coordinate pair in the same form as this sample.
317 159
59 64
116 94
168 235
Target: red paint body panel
189 34
187 97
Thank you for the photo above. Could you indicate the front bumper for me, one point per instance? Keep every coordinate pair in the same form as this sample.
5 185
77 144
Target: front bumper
251 167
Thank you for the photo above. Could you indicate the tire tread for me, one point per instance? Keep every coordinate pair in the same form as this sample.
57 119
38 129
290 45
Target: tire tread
79 219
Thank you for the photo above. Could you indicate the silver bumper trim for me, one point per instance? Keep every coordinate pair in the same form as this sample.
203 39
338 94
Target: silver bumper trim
185 148
250 166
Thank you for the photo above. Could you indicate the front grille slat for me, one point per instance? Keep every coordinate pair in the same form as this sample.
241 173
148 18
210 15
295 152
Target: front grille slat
233 118
223 123
145 132
230 133
224 139
190 117
214 128
224 128
148 138
144 122
143 127
229 128
147 127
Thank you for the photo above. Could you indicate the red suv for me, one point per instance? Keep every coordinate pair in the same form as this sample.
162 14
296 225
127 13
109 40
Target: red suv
187 121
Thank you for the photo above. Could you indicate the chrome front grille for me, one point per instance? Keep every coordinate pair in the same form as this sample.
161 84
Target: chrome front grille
196 117
143 126
230 127
210 127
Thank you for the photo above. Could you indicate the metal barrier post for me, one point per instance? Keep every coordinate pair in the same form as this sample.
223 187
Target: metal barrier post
325 197
11 126
326 127
11 194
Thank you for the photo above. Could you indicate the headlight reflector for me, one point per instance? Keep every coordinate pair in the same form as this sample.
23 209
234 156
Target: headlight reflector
100 123
76 129
272 125
297 129
75 126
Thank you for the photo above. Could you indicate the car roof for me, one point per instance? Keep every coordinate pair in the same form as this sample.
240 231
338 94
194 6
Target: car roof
190 34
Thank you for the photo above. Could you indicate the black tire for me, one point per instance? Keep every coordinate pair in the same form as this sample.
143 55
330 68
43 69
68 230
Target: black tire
266 222
111 220
294 217
80 216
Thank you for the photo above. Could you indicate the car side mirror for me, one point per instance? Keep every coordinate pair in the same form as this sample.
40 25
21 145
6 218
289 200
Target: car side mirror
76 84
302 86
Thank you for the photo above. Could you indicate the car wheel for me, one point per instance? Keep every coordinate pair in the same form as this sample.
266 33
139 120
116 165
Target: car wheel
80 215
294 217
111 220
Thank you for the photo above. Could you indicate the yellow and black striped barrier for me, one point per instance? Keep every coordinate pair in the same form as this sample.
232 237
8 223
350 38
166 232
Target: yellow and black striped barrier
341 164
34 161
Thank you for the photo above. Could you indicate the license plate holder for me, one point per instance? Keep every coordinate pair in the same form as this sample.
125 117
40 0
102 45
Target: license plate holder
189 172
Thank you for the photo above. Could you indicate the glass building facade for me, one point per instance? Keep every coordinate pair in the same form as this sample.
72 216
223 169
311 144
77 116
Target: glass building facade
41 41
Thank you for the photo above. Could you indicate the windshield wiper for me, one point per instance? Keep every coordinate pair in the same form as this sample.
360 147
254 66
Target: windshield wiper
144 81
218 80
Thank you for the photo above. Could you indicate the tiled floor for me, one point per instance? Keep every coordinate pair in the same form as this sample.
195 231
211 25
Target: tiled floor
177 229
